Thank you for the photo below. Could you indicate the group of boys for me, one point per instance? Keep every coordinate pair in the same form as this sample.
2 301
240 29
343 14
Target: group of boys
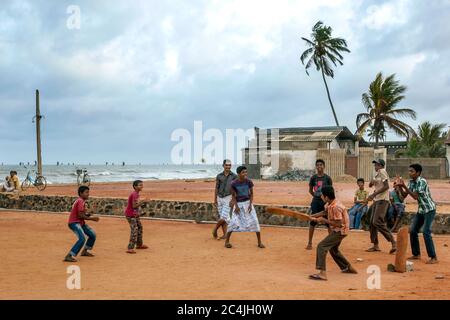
79 215
233 191
233 197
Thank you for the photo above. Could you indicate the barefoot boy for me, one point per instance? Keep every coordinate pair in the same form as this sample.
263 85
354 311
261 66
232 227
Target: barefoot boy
316 183
222 197
244 217
133 218
339 225
77 224
418 189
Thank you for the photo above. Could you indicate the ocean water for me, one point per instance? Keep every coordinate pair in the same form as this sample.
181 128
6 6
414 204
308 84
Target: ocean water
102 173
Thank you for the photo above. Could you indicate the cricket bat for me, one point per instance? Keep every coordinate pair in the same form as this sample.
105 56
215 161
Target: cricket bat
289 213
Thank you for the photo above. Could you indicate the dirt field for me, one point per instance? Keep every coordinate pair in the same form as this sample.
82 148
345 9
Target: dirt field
266 192
184 262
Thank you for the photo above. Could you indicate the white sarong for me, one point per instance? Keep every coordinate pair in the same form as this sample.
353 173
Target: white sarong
244 221
223 208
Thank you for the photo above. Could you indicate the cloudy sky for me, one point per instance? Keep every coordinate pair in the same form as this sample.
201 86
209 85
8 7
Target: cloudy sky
116 88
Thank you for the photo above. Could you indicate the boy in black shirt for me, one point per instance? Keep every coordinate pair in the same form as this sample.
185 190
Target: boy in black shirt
316 183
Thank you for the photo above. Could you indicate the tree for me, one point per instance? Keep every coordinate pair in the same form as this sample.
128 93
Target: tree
323 50
381 103
429 143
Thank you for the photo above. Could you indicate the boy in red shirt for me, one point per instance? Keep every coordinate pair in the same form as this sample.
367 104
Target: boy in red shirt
77 224
133 218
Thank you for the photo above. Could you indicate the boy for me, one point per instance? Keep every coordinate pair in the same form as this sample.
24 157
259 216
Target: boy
244 218
397 208
12 182
77 224
316 183
7 186
338 221
380 198
222 197
360 207
418 189
133 218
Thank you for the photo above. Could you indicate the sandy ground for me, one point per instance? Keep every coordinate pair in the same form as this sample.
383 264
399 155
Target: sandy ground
266 192
184 262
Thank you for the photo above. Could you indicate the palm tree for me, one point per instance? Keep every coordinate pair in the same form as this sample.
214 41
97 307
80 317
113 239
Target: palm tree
432 139
382 113
322 51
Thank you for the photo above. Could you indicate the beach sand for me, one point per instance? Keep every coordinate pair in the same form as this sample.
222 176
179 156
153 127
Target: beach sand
266 192
184 262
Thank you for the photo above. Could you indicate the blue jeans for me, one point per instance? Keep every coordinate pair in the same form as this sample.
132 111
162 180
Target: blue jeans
355 214
425 220
81 231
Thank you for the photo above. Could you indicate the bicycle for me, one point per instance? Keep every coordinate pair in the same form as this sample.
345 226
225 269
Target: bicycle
83 178
39 181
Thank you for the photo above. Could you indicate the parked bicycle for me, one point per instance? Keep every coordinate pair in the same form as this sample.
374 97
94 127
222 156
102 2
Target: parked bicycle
83 178
38 181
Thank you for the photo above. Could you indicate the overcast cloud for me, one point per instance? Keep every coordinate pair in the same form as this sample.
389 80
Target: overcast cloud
115 89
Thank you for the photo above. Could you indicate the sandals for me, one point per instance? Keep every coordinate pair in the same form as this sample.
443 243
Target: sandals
373 249
228 245
317 277
142 247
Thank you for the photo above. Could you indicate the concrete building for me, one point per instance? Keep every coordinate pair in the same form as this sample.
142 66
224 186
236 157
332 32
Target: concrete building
296 148
447 145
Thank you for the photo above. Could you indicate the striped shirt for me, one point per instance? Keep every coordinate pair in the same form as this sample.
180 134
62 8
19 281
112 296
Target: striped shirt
426 203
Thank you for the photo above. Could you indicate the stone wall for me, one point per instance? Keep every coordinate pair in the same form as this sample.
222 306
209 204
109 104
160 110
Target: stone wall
198 211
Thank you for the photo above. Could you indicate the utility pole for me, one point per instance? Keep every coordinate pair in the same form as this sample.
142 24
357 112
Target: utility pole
38 135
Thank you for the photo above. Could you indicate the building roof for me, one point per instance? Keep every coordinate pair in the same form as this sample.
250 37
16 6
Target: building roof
307 134
387 144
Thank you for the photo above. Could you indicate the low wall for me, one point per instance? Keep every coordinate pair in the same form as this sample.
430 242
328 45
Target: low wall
198 211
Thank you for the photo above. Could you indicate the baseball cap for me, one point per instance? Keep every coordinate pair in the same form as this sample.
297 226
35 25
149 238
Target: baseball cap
380 161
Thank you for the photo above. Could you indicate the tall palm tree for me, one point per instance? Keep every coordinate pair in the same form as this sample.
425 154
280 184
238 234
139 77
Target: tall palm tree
382 113
323 50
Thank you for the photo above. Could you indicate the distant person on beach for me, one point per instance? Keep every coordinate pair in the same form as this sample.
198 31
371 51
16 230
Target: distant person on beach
12 182
419 190
359 208
222 198
316 183
380 198
336 217
244 218
133 218
77 224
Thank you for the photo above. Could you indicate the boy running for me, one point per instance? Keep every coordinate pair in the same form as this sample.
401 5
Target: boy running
133 218
419 190
316 183
77 224
244 217
222 197
336 216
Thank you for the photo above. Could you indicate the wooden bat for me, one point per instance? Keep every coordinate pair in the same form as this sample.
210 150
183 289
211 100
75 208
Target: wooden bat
289 213
402 246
